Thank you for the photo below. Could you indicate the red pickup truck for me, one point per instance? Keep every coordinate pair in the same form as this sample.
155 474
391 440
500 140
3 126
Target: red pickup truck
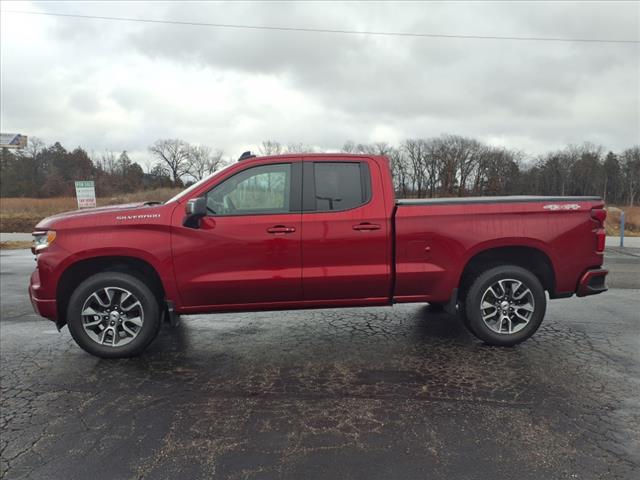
312 231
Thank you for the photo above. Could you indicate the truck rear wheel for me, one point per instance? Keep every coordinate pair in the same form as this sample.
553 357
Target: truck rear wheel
113 315
505 305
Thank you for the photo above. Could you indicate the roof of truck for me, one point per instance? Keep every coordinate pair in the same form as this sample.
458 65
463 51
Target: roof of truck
313 155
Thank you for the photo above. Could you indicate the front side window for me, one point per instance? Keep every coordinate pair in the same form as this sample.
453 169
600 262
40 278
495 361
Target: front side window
262 189
340 185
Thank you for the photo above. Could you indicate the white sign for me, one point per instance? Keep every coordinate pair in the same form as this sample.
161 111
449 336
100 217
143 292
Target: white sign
12 140
86 194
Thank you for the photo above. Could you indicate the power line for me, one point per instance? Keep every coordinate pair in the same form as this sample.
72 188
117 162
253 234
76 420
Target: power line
326 30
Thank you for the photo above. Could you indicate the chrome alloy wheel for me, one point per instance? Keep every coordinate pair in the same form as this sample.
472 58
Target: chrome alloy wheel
507 306
112 316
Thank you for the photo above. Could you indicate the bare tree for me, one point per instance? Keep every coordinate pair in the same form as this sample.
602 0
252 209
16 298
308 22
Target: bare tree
631 168
349 147
175 154
447 162
31 158
107 162
381 148
457 158
567 158
416 151
299 147
497 171
469 153
431 166
148 165
270 147
399 171
587 176
612 181
33 148
202 161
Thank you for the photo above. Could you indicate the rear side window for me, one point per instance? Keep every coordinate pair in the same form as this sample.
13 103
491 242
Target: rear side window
340 185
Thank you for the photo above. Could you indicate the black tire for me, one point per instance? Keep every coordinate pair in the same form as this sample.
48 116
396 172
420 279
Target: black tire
149 311
535 299
462 315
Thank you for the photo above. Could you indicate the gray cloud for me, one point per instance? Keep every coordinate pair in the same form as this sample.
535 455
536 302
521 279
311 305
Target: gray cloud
120 85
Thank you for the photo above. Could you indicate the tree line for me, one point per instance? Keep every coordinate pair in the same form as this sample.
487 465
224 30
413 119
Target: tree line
50 171
453 165
448 165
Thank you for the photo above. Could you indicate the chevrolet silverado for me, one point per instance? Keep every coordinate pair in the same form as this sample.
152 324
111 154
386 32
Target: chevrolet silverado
312 231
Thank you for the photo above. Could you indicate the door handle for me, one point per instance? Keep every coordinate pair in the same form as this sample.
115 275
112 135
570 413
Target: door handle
280 229
366 226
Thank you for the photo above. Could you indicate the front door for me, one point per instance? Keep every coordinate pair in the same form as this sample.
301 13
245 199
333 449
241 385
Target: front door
247 250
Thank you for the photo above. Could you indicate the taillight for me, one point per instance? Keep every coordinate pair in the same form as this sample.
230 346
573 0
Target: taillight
599 214
601 235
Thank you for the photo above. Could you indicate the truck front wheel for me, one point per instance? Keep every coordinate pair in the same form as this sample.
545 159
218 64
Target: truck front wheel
505 305
113 315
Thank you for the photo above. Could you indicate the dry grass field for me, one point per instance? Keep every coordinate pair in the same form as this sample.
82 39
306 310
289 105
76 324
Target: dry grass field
22 214
631 221
19 245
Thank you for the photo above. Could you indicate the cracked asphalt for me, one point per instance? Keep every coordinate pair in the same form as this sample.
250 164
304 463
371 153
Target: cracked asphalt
369 393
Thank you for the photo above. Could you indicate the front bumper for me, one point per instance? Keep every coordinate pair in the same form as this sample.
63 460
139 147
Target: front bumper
44 307
592 282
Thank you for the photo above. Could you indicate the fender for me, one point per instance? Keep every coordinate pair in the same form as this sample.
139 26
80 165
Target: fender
163 266
526 242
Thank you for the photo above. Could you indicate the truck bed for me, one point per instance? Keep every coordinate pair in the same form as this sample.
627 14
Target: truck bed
435 238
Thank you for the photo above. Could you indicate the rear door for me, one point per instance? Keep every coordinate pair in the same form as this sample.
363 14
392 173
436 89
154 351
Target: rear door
345 231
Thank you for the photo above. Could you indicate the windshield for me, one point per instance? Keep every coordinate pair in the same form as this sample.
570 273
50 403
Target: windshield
196 185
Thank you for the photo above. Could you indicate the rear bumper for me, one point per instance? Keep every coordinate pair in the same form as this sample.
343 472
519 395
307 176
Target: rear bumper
44 307
592 282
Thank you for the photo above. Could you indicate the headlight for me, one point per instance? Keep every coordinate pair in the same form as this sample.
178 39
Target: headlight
42 240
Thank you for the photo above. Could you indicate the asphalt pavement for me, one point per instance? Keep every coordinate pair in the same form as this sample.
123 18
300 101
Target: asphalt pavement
393 393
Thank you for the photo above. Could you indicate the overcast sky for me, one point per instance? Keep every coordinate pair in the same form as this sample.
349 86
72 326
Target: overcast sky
119 85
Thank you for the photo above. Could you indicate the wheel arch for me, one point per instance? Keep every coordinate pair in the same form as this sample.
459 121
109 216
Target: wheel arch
531 258
79 271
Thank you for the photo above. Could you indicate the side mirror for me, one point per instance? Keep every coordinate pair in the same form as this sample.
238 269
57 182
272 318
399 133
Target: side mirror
195 209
